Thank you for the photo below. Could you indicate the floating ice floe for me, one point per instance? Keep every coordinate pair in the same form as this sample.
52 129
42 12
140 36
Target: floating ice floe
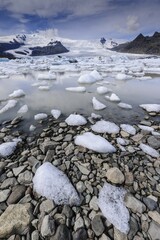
105 127
97 105
56 113
95 116
121 76
124 105
4 76
53 184
96 75
146 128
40 116
17 93
23 109
94 142
7 148
40 83
149 150
128 128
111 203
113 98
44 88
76 89
46 76
75 120
10 104
102 90
151 107
86 78
32 128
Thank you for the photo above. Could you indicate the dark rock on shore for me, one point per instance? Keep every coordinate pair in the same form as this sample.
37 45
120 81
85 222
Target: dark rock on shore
141 45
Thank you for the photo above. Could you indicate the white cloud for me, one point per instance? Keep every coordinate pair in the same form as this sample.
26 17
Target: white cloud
132 23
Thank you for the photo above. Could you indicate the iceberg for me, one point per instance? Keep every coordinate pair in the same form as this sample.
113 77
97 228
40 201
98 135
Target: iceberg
94 142
53 184
97 105
17 93
111 203
105 127
75 120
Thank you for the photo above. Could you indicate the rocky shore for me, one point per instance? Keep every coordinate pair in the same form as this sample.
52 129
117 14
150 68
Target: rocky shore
26 215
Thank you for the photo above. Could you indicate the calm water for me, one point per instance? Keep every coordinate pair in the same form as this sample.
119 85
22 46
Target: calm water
132 91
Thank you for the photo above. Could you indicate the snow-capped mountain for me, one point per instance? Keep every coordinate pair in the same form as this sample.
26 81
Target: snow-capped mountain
48 42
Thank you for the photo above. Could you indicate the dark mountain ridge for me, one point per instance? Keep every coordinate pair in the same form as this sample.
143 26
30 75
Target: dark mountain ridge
141 45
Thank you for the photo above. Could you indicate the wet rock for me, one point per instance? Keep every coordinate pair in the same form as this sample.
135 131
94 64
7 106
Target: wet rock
15 219
97 225
47 227
134 204
80 234
154 230
133 228
62 233
154 142
150 203
114 175
17 193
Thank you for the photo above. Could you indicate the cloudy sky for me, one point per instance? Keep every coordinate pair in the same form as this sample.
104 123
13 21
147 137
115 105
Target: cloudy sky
81 19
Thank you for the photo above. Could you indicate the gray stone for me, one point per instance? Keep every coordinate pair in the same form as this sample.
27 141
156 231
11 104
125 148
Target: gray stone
58 138
32 161
67 211
25 177
18 170
69 149
133 228
49 156
80 234
17 193
47 227
62 233
154 231
16 218
104 237
46 206
154 142
93 203
155 216
4 195
83 168
114 175
9 182
35 235
150 203
48 145
79 223
97 225
119 235
134 204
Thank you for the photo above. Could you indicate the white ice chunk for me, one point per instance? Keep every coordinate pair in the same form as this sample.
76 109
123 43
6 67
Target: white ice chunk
122 141
56 113
146 128
96 75
86 78
76 89
23 109
124 105
111 203
97 105
40 116
128 128
151 107
41 83
102 90
113 98
149 150
32 128
46 76
44 88
53 184
95 116
10 104
94 142
154 133
6 149
105 127
121 76
17 93
75 120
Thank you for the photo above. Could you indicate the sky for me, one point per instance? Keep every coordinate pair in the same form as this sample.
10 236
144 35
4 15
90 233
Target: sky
81 19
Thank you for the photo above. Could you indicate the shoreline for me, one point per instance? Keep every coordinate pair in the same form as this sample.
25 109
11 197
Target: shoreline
87 171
